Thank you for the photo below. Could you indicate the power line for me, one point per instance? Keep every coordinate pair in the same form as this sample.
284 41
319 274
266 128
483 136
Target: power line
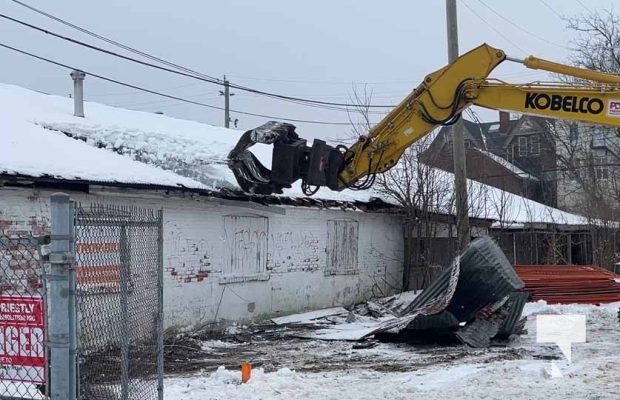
493 28
310 103
243 77
520 27
165 103
134 92
110 41
583 5
164 94
185 71
553 10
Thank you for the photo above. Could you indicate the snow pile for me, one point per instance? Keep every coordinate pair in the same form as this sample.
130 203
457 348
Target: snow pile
594 372
35 143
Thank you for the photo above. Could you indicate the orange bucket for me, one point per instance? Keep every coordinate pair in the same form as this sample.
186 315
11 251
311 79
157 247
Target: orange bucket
246 372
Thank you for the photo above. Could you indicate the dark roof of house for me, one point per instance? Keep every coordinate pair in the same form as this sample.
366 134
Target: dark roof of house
486 134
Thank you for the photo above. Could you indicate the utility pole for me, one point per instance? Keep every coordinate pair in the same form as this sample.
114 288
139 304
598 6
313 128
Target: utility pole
226 93
460 176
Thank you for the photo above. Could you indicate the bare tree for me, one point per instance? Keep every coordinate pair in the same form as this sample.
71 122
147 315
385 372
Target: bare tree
597 45
421 191
588 156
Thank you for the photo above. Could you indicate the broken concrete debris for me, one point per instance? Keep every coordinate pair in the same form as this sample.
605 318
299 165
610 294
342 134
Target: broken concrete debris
475 301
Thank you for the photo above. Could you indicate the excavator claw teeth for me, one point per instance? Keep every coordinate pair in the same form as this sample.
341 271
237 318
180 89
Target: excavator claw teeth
252 176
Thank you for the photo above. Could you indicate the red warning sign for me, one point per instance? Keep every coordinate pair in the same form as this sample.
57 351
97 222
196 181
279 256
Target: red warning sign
22 355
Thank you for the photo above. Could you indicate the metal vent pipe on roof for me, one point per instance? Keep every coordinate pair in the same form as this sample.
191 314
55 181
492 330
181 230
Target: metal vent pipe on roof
78 92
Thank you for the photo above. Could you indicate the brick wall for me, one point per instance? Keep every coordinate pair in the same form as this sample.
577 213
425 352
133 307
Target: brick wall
21 222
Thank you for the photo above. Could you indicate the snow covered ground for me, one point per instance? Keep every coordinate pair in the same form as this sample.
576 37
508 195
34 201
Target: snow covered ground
520 370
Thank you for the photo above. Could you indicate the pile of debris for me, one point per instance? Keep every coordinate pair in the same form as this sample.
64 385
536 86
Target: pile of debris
565 284
475 301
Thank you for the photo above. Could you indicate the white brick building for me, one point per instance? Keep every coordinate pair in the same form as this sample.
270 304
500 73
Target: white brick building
226 261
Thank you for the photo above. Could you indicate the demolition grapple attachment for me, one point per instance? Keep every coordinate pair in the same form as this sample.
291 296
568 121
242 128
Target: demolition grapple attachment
292 159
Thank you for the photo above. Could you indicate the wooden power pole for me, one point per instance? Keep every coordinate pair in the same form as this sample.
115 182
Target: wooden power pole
460 176
226 93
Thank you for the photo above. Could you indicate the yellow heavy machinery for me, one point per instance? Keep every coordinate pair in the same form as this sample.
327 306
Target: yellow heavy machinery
438 100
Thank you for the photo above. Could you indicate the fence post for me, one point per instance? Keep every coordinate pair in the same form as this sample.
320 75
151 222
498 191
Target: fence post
124 299
61 319
160 305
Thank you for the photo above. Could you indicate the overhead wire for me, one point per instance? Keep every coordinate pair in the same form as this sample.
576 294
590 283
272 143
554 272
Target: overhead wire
182 70
519 27
487 23
311 103
583 5
132 86
314 82
112 42
133 92
553 10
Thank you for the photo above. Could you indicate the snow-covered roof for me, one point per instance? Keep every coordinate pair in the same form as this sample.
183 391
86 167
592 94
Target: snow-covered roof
507 164
173 152
26 148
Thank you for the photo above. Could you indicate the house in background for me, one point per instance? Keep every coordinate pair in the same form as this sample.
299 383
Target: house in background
515 155
589 160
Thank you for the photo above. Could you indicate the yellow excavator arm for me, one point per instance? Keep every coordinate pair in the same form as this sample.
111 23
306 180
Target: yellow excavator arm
438 100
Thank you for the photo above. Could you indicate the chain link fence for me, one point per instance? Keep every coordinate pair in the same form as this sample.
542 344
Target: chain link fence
22 351
119 298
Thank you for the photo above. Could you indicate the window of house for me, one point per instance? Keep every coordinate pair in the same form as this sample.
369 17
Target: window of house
450 145
574 132
523 146
582 168
599 139
534 145
494 127
246 241
510 153
342 245
601 167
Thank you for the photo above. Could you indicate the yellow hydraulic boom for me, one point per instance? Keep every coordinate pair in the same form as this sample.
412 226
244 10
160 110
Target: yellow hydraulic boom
438 100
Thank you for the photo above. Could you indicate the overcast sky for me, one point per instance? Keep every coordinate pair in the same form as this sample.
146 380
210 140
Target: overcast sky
315 49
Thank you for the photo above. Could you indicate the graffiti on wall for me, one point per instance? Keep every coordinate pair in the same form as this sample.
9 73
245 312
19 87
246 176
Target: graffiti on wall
187 259
247 243
294 251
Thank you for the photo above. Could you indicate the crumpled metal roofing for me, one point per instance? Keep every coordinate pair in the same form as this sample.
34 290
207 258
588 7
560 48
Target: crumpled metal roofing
480 290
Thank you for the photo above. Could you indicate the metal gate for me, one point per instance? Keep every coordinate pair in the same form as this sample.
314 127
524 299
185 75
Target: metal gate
83 317
118 271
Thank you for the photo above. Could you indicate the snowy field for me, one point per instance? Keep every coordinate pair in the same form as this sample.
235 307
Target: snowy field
298 369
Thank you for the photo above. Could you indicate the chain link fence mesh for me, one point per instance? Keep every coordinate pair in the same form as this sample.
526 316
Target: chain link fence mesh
22 352
120 332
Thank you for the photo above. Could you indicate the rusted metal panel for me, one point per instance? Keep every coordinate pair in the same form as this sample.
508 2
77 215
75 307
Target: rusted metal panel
570 283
